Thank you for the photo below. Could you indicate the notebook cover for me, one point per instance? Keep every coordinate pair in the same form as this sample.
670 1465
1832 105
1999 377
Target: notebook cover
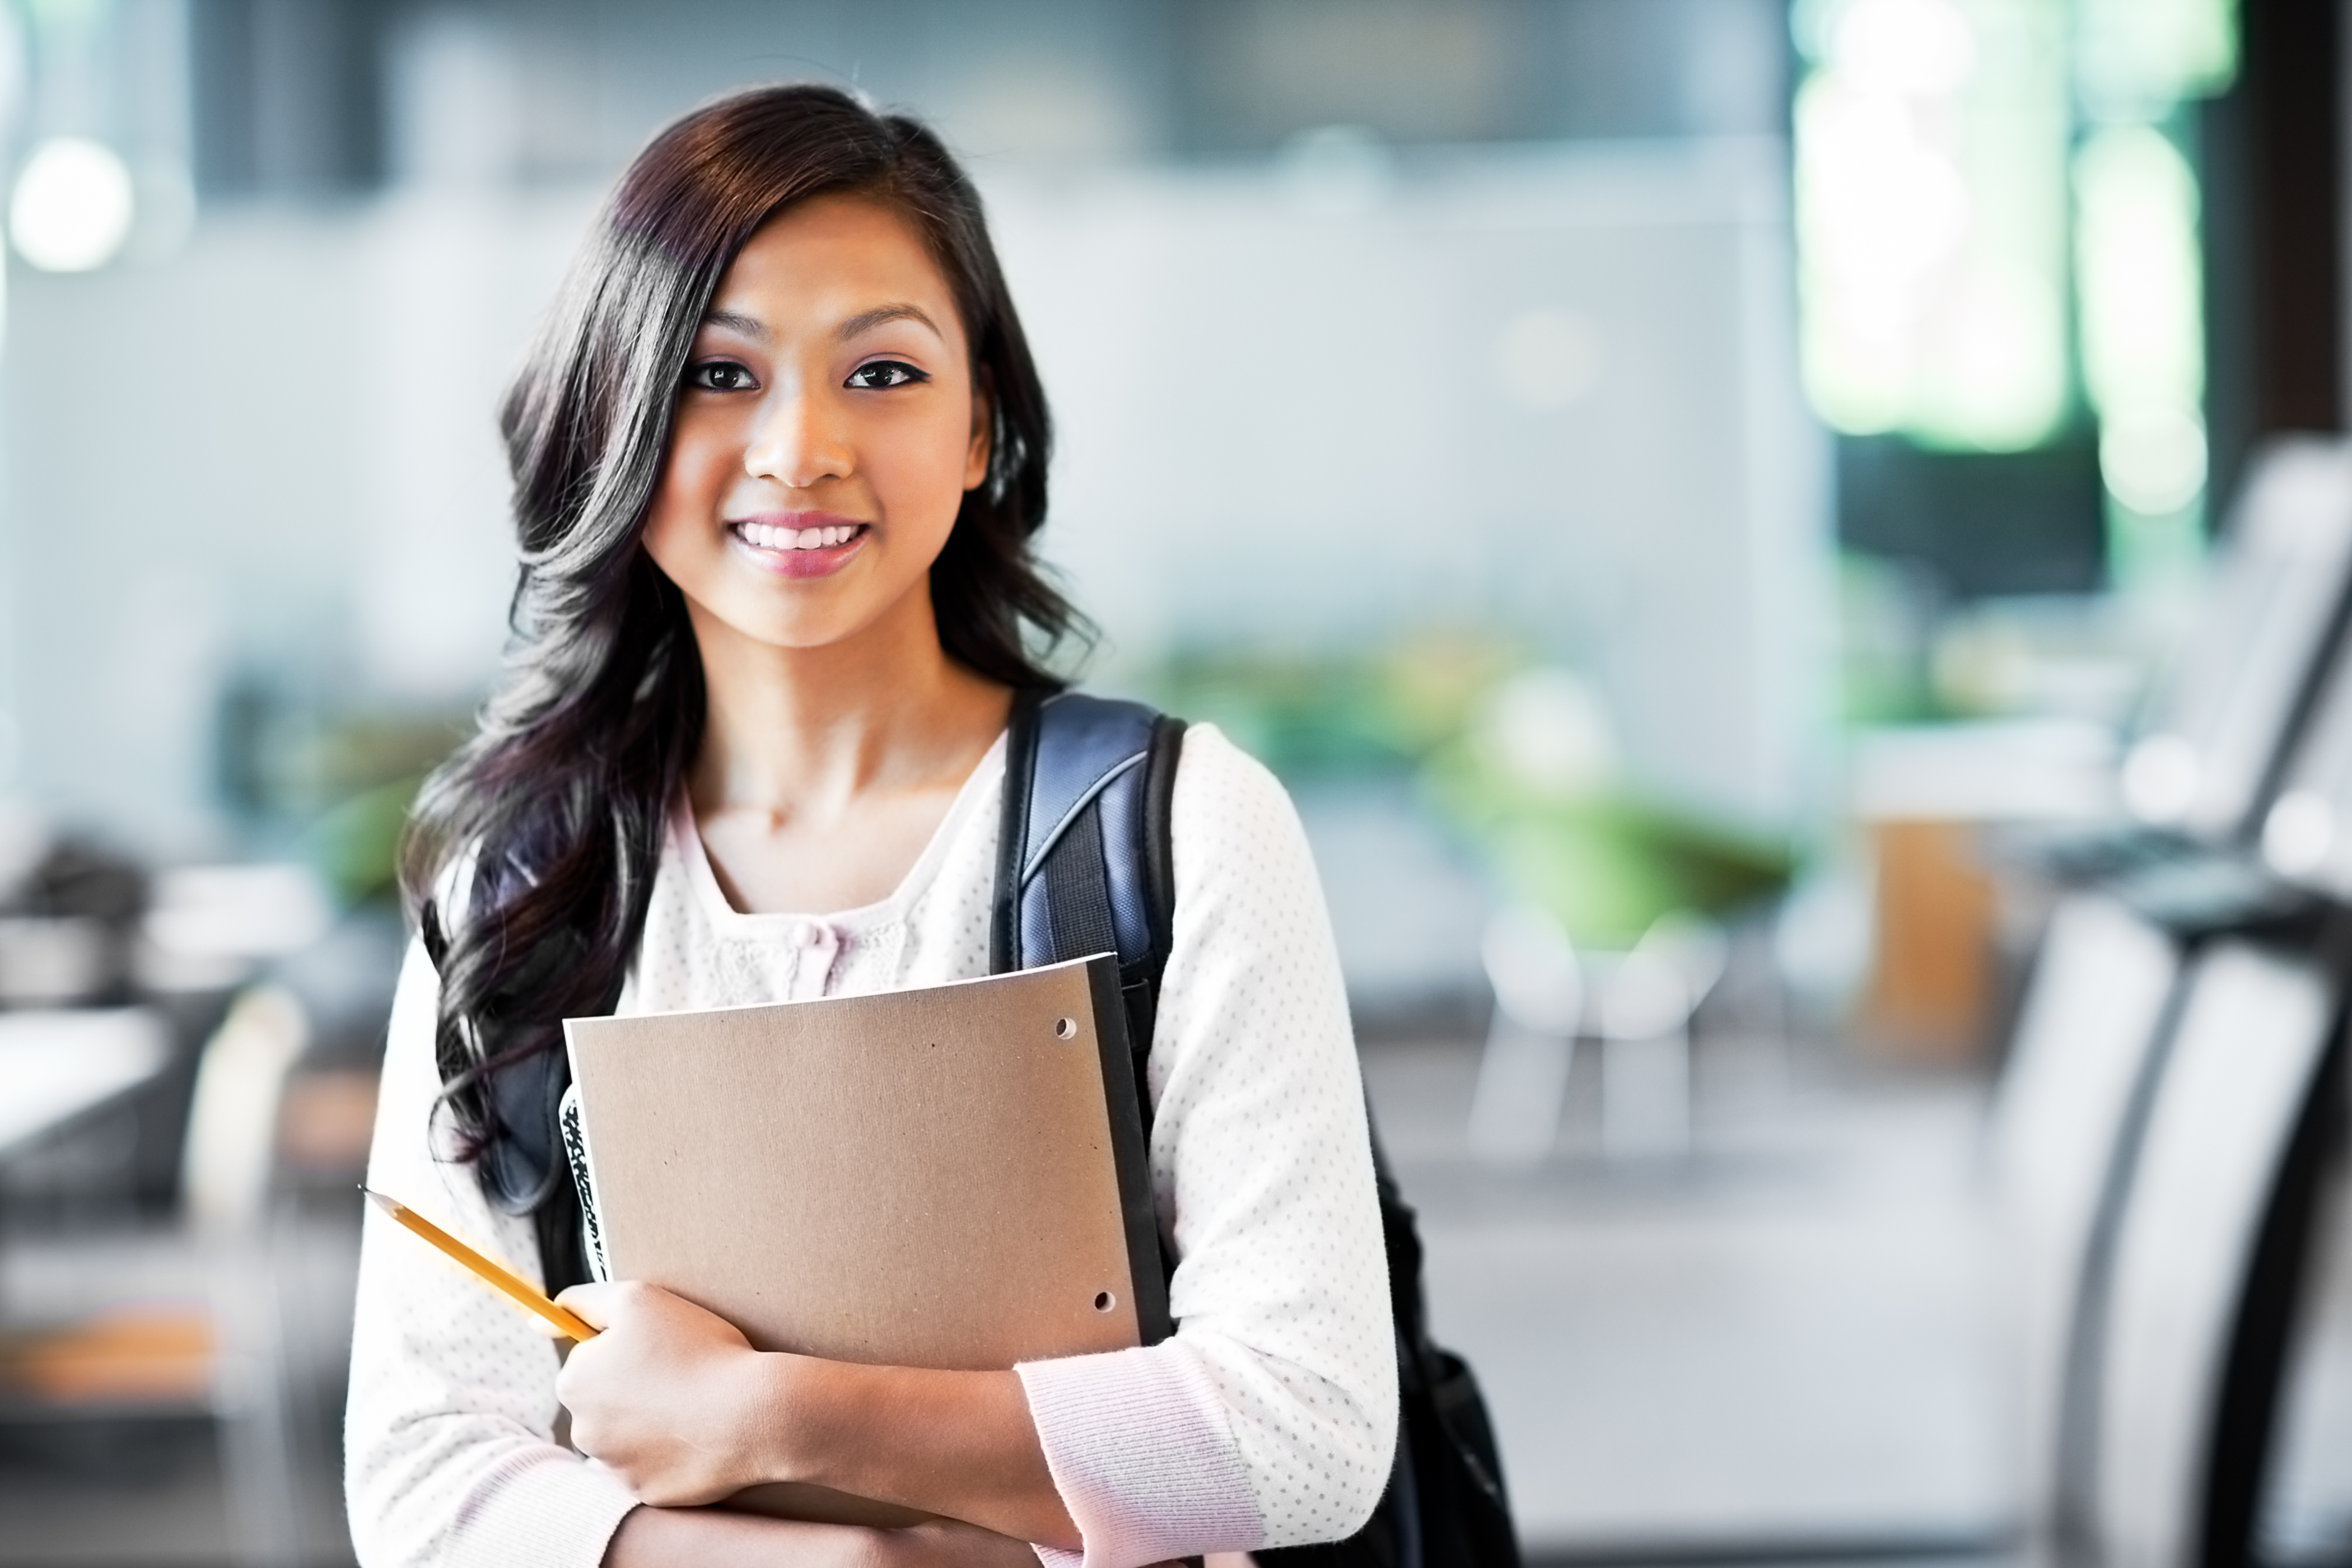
948 1177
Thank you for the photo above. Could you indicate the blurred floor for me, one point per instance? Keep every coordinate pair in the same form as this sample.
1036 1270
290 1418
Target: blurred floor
96 1494
1781 1347
1778 1349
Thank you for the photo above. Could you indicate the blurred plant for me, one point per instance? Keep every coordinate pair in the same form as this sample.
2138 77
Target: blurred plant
1320 712
1518 757
354 844
1533 782
1887 617
335 774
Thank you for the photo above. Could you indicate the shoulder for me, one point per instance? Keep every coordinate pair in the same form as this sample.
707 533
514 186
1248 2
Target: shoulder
1229 814
1210 766
1216 778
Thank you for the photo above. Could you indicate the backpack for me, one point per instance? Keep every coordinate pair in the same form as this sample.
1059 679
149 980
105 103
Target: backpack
1084 866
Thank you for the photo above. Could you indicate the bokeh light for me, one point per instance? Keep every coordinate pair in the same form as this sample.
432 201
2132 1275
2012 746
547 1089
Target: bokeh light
72 206
1931 218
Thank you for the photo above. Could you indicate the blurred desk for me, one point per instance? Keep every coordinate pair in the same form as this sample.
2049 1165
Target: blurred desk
59 1067
1921 793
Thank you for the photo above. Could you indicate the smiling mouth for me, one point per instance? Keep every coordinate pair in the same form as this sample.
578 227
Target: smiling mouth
768 536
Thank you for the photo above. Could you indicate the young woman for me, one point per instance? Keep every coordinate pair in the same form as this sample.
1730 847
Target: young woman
778 458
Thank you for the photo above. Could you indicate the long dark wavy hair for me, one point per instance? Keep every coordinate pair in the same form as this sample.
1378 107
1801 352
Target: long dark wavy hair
531 853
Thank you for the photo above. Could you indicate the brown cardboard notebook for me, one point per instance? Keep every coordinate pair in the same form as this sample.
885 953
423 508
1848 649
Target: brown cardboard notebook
949 1178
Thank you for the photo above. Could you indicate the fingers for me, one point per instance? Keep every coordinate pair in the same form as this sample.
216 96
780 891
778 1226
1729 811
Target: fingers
660 1393
592 1302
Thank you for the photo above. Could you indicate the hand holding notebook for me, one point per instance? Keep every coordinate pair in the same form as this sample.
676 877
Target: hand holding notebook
949 1179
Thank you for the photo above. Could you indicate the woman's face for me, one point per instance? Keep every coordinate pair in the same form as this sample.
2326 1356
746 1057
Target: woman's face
825 432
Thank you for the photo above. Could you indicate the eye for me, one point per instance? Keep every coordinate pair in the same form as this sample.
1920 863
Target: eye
884 372
719 375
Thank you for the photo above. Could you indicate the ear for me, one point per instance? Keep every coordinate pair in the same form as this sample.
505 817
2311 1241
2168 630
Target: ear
983 430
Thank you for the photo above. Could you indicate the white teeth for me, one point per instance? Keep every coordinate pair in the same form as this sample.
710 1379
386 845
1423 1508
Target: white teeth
766 536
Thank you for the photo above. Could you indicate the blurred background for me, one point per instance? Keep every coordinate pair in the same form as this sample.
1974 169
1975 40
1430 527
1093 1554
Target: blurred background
1792 557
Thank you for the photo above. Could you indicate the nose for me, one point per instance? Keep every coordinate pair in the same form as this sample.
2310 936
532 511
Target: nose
797 442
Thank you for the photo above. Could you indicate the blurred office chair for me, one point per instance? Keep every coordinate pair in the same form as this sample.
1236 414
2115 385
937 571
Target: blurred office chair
1638 1004
2219 722
2206 1261
227 1189
2105 981
2121 964
2305 838
1648 999
218 1353
1531 1044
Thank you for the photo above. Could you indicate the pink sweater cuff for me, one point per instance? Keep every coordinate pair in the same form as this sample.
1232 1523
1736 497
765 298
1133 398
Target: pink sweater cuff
1143 1456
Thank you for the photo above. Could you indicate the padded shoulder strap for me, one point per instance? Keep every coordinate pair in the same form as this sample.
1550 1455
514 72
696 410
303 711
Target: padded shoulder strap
1084 860
1085 865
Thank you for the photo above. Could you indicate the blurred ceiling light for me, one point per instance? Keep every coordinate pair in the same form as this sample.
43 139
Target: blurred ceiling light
1930 191
1548 357
2142 284
72 206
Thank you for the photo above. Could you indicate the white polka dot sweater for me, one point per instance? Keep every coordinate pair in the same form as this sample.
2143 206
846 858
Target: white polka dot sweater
1267 1420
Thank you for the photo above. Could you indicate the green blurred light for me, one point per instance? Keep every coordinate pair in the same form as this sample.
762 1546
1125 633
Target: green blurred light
2140 279
2141 283
1931 218
2136 58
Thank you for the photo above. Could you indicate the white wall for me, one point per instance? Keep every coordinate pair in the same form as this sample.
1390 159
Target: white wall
1291 410
1283 418
274 451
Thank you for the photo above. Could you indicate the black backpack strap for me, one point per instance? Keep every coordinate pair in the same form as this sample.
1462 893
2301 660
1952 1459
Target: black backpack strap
1084 862
1085 866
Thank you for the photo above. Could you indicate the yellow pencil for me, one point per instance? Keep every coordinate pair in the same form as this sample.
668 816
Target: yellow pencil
497 1276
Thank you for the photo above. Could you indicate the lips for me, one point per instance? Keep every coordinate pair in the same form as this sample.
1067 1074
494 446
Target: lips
773 536
801 544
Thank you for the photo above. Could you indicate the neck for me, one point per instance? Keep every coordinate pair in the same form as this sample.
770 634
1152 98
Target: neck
807 731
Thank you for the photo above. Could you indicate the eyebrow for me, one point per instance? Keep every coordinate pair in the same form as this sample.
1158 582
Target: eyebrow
870 319
865 322
736 322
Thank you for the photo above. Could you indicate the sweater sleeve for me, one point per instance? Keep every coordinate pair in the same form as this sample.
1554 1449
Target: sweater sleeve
449 1453
1270 1417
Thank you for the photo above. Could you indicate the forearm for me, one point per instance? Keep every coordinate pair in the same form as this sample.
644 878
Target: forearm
681 1407
960 1443
713 1538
